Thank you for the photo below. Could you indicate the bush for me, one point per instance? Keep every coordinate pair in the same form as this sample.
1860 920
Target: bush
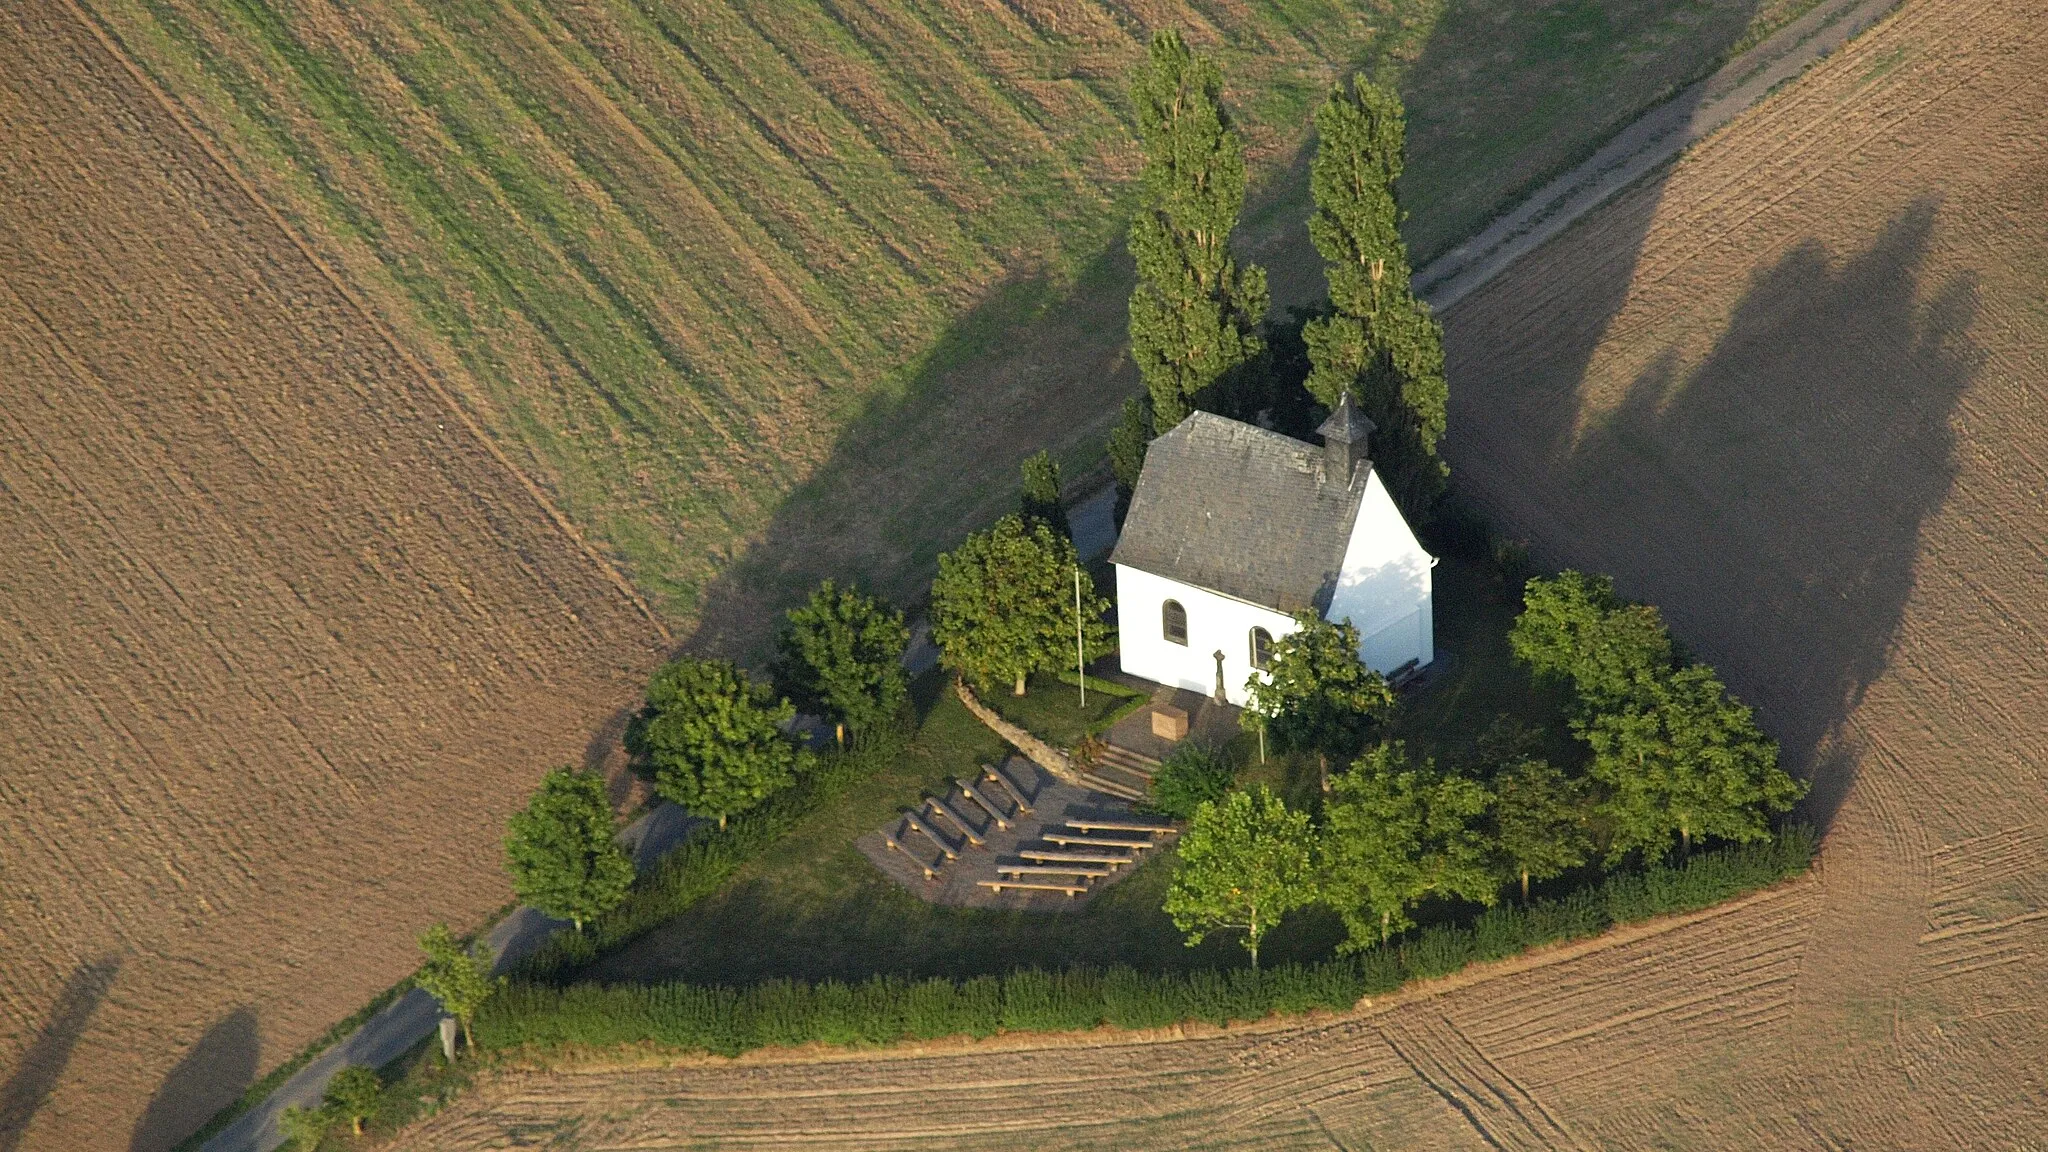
1192 774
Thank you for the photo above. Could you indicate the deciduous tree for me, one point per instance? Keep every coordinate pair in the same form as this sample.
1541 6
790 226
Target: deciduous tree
715 739
1379 342
1195 313
1574 629
1539 817
563 850
1314 694
1040 501
304 1128
1127 443
460 980
353 1095
1003 605
1245 862
842 654
1395 834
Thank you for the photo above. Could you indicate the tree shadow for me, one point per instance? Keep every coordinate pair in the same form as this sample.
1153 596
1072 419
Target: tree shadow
213 1072
42 1064
1769 498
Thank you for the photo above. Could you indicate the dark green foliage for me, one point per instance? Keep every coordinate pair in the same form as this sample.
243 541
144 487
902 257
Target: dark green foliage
1195 313
1539 819
1040 499
1379 342
1003 605
715 739
1396 833
704 863
1127 443
563 851
1191 775
353 1094
841 655
1315 696
1573 628
887 1009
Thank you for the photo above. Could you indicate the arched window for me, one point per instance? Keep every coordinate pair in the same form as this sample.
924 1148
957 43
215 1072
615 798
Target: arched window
1262 648
1173 622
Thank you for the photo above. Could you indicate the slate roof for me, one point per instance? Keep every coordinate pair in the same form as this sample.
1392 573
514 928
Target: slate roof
1235 509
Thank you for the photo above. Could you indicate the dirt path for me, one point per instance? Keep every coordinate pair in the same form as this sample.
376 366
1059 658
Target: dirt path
1791 390
1653 141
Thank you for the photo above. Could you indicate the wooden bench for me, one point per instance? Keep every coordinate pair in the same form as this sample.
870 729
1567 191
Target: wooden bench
930 873
975 795
1105 858
1117 826
989 771
955 820
1051 870
1066 840
930 835
1033 885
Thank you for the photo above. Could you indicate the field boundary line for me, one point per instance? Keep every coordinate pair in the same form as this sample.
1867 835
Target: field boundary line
171 108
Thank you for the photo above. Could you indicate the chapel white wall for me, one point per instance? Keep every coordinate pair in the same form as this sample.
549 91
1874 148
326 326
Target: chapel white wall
1215 623
1384 585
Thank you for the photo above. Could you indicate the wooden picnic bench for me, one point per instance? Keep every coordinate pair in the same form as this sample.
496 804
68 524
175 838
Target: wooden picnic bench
1070 841
1016 794
975 795
932 836
1051 870
930 873
1117 826
1045 857
1033 885
955 820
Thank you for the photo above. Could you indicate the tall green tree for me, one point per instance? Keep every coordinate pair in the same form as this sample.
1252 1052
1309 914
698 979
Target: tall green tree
1245 862
1195 313
1573 628
353 1094
1127 443
1380 342
563 851
1539 818
1040 499
1394 834
1003 605
715 739
1685 759
1314 695
841 653
459 979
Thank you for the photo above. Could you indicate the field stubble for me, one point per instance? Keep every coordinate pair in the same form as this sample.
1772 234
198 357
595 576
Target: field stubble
1789 391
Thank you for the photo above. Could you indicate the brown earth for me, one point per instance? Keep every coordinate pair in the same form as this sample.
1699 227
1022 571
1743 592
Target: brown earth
1791 391
282 639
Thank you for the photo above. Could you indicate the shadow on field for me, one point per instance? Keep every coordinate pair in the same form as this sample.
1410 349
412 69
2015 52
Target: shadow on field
213 1072
42 1064
1769 498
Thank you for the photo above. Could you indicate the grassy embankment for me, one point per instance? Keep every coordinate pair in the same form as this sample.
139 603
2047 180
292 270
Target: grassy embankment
801 283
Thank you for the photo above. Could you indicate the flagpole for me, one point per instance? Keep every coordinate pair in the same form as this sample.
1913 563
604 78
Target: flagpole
1080 654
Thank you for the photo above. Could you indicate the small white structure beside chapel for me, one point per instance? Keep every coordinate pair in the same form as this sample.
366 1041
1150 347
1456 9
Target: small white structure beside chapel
1233 529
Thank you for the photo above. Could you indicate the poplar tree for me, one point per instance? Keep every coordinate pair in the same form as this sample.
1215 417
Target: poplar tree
1127 443
1040 499
1379 341
1195 313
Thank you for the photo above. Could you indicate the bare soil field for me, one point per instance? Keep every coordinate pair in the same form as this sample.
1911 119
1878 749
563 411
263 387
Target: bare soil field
1792 391
282 638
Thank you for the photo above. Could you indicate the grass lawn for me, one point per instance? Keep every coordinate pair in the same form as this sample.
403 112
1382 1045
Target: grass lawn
816 908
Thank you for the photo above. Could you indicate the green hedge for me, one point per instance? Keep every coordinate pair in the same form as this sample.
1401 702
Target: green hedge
704 863
887 1009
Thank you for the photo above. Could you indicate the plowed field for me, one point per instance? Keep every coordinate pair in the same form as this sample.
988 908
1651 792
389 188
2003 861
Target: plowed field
282 639
1793 392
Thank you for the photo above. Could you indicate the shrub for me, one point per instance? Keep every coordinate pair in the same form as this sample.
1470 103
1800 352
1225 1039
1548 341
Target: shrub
1192 774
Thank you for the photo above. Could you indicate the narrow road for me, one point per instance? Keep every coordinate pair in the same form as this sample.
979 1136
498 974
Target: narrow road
1654 140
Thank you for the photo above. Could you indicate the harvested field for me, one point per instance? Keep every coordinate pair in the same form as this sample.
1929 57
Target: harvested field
282 639
1791 392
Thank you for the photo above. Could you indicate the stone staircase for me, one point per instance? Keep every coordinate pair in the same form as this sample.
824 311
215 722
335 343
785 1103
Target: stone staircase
1121 772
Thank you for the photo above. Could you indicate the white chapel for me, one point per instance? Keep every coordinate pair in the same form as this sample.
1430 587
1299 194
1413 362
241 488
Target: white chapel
1233 528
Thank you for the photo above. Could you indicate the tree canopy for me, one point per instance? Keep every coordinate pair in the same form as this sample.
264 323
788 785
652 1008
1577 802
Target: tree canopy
841 654
353 1094
1396 833
1194 315
1380 342
563 852
715 739
1245 862
1003 605
1127 442
1039 500
460 980
1539 817
1315 695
